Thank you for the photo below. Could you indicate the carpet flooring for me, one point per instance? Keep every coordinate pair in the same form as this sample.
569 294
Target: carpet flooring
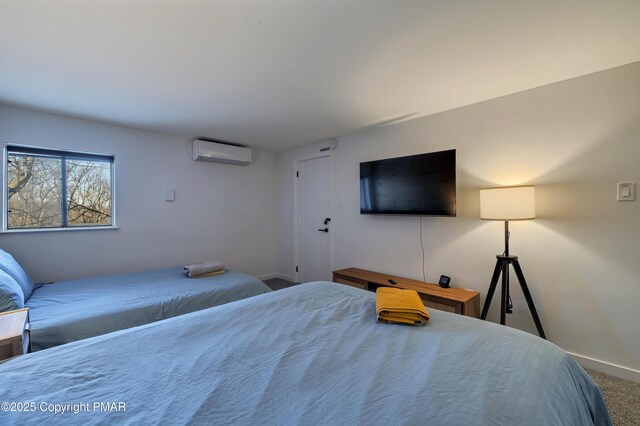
278 283
622 396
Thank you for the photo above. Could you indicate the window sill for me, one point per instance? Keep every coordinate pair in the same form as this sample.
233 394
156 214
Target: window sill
71 229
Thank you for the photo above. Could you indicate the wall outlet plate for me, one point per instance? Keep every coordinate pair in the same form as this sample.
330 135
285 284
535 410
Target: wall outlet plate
626 191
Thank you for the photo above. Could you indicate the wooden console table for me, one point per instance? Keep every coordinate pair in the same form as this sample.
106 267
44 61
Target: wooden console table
456 300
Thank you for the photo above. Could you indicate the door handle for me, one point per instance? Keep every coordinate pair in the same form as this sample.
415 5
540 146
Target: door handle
324 230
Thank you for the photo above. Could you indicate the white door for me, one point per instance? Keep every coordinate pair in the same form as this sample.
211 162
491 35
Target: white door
313 247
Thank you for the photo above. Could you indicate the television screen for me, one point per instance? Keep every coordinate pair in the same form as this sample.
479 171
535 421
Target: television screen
420 185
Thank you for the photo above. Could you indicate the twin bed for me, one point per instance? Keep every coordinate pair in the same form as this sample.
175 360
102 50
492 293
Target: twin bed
310 354
67 311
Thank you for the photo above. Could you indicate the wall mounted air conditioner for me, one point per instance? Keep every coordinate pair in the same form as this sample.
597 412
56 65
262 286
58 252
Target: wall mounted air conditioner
220 153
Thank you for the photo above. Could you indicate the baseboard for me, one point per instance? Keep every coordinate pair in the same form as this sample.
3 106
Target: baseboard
606 367
275 275
267 276
287 277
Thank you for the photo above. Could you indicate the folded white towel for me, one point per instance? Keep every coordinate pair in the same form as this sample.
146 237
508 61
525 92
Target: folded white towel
199 269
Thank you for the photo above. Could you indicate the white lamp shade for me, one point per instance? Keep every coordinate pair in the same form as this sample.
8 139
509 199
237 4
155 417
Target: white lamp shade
508 203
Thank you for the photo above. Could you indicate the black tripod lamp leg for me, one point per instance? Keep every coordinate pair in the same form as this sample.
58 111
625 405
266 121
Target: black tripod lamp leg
529 299
492 289
505 293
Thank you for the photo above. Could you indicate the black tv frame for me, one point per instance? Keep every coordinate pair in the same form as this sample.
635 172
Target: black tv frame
434 213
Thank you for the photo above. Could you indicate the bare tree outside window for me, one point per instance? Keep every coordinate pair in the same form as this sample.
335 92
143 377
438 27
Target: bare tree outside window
88 193
36 187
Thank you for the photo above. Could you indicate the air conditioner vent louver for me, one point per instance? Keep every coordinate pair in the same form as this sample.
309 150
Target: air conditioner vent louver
220 153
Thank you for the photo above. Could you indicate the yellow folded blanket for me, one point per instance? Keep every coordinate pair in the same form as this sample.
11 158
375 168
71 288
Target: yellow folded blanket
211 274
400 306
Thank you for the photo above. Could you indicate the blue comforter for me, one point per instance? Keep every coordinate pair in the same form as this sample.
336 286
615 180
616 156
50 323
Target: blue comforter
311 354
67 311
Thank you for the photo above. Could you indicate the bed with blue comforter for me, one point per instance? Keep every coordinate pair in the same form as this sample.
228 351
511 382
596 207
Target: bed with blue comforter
311 354
67 311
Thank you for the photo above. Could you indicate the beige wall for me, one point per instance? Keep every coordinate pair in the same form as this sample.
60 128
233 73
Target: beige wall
221 211
574 140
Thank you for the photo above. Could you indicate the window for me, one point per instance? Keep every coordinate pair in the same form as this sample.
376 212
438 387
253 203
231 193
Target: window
48 188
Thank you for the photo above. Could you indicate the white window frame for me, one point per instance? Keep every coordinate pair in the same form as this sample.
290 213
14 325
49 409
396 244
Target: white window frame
5 193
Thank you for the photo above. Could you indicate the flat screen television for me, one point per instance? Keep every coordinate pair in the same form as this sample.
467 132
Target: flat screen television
417 185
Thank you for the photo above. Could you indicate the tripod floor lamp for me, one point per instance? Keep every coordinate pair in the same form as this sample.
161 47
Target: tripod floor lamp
507 204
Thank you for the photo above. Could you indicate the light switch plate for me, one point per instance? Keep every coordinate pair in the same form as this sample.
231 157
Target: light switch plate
626 191
169 194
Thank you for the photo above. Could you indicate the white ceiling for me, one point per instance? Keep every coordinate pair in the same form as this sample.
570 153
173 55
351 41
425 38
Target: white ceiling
276 74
